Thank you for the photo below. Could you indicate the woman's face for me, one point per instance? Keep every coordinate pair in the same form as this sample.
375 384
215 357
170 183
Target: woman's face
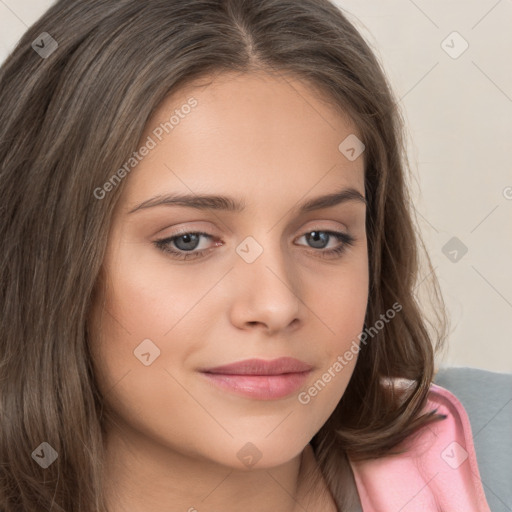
261 282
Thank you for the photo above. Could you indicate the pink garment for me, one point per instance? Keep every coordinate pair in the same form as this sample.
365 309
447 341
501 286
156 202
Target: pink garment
438 473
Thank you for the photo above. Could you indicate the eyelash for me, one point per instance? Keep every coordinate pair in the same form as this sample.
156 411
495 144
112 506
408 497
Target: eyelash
164 245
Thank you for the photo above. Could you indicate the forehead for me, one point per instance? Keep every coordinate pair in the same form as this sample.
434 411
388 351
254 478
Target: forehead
256 96
247 131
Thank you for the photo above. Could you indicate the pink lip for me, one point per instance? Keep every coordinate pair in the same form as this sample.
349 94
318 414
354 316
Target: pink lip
260 379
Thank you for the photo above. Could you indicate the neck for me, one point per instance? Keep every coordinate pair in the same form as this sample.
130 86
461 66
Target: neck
142 475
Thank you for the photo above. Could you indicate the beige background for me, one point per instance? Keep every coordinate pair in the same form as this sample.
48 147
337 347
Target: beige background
458 109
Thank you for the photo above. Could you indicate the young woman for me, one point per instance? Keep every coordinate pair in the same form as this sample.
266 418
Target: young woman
209 267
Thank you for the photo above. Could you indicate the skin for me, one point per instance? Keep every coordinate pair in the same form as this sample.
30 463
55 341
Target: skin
173 442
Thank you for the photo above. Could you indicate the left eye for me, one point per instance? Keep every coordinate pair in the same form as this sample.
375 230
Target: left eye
187 243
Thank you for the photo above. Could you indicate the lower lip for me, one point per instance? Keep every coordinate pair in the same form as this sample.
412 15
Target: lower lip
260 387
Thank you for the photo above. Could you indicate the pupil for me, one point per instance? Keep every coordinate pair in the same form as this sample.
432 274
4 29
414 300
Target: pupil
316 235
188 238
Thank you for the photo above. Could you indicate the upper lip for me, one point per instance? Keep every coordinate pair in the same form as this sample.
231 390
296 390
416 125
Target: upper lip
262 367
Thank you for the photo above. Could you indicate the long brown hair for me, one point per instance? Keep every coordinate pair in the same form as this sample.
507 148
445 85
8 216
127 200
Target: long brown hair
68 120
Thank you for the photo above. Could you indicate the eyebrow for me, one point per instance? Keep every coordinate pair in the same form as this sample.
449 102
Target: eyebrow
225 203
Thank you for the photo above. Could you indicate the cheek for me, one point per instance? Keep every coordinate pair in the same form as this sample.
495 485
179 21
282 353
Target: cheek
341 306
143 326
135 365
151 297
128 321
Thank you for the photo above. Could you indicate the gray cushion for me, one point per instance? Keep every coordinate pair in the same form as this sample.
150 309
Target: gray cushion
487 398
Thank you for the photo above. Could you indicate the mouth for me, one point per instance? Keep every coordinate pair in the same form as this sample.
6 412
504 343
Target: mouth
260 379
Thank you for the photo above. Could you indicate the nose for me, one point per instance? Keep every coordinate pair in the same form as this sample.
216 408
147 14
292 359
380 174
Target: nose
266 291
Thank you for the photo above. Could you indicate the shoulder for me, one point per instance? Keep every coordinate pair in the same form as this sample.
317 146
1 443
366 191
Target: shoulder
487 399
436 471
